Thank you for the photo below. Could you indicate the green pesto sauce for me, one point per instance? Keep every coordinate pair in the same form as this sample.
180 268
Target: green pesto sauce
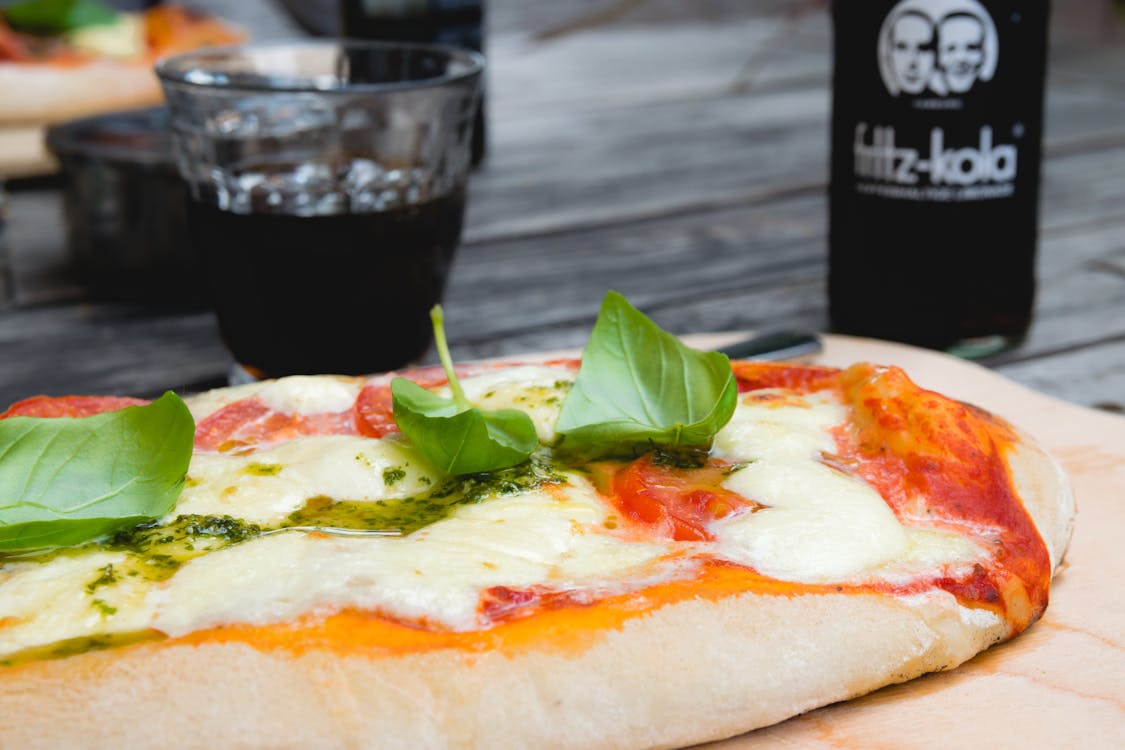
157 550
106 577
393 475
736 467
680 458
74 646
154 551
407 515
262 470
105 608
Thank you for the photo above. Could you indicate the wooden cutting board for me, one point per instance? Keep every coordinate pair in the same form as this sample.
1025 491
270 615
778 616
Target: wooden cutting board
1059 685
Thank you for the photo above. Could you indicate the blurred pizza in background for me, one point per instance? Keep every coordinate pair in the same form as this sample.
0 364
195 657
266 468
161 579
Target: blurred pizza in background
63 59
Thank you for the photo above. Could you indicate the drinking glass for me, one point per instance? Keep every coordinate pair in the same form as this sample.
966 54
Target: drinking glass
327 184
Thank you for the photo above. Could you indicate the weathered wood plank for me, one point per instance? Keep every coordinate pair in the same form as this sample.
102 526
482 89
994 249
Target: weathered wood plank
106 349
1092 375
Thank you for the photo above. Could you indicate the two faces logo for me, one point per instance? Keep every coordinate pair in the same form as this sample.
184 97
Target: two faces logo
939 46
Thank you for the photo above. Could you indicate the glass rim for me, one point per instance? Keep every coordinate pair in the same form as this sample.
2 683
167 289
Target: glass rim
177 69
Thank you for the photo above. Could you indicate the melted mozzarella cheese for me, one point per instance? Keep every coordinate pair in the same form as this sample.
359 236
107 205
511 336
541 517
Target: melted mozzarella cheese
928 550
266 485
535 389
310 394
438 573
203 405
60 600
819 524
772 423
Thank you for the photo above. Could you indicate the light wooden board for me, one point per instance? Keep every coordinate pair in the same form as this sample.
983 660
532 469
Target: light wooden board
1062 683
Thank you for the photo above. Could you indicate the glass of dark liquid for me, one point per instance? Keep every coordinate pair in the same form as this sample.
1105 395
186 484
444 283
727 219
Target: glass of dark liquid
327 186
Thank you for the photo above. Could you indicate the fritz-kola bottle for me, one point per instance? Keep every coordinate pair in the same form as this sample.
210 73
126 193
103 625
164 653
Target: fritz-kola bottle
936 132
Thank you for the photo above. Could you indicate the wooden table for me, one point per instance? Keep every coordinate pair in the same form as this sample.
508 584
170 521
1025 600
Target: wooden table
674 151
678 152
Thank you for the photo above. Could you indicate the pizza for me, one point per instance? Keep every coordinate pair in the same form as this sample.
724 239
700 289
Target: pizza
322 580
66 59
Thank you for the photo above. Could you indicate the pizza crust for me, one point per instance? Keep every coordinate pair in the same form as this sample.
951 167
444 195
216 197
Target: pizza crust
688 672
23 151
1041 484
39 94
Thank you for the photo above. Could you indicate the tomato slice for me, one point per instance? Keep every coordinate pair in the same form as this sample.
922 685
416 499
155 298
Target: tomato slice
500 601
676 503
250 422
374 412
69 406
506 603
374 409
12 47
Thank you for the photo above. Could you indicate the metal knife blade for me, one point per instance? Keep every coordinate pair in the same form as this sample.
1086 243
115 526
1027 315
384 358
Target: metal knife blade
774 345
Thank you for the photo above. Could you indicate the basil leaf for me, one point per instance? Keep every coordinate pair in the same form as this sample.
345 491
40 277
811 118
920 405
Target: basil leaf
58 16
68 480
639 386
459 440
453 435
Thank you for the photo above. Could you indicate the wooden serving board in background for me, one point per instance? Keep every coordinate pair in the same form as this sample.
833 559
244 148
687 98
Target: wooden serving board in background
1059 685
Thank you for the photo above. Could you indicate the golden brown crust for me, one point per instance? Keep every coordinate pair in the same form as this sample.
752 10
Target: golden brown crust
43 94
1045 491
685 673
23 151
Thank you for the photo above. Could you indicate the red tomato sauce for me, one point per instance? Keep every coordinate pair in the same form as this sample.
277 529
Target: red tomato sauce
800 379
910 443
249 422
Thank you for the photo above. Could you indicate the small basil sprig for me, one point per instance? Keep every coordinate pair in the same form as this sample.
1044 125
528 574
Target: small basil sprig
68 480
638 386
58 16
453 435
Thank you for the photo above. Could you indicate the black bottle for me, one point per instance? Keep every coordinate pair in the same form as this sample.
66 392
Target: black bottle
936 134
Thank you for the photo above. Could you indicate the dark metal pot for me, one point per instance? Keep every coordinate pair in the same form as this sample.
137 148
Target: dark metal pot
125 207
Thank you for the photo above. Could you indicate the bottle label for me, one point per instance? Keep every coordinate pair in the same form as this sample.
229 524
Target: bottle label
977 172
937 47
931 56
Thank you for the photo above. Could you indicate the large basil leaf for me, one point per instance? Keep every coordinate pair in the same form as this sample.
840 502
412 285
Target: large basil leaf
639 386
452 434
65 481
